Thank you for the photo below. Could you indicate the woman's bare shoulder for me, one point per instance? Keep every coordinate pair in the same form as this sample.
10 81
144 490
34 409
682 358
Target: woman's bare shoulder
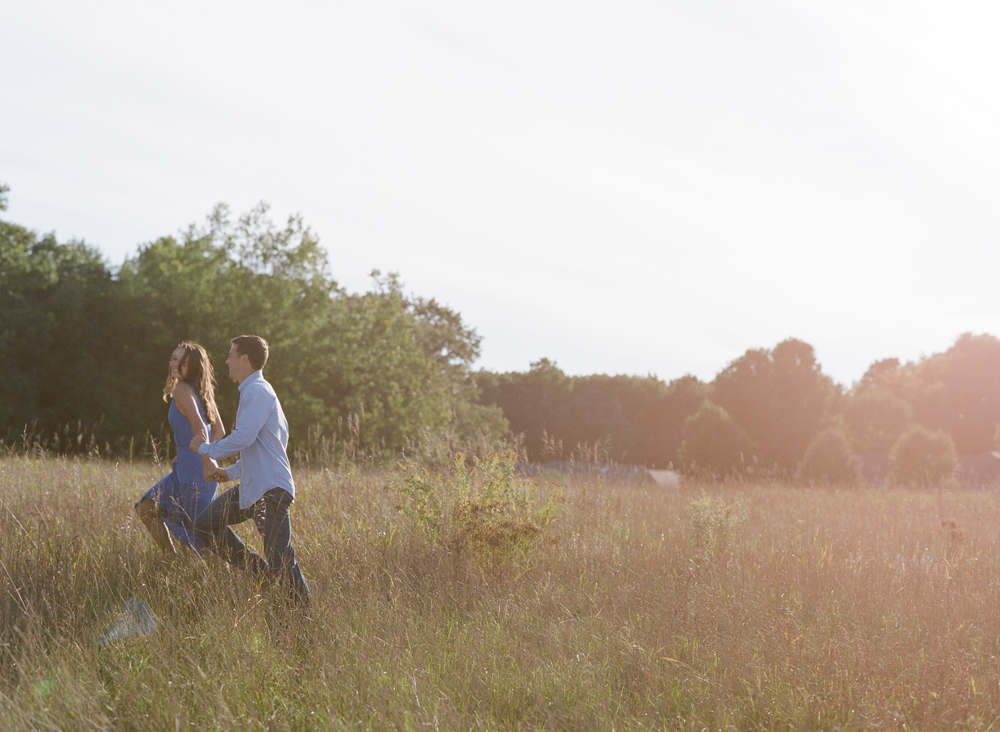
182 390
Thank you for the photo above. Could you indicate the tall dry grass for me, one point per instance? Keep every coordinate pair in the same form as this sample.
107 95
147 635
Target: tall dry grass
713 607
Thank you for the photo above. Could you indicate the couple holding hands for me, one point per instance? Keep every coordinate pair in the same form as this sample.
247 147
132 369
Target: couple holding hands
184 507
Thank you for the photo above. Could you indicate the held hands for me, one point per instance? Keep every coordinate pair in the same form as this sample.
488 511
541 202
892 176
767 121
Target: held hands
211 471
216 474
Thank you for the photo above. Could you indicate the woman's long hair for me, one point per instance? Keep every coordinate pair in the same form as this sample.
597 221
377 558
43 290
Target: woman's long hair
199 375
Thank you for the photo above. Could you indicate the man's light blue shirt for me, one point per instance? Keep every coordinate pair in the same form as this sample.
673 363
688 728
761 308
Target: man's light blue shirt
260 437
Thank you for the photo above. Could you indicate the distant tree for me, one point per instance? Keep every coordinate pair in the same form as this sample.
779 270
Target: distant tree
683 398
922 457
961 392
535 403
642 416
877 372
4 190
877 418
714 442
957 390
779 397
636 419
829 458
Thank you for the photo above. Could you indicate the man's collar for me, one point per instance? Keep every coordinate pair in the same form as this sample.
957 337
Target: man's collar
255 376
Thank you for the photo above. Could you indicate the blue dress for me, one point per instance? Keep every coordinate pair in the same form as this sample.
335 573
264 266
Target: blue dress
183 493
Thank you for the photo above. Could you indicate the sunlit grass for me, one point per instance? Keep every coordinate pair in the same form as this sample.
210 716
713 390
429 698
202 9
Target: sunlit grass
819 609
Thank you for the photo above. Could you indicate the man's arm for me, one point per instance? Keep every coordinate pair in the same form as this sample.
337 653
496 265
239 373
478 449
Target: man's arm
255 406
235 471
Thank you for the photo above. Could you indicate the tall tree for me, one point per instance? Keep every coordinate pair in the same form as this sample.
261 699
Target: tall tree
876 419
62 329
957 391
779 397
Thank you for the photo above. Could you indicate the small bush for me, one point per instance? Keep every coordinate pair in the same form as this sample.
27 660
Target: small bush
829 458
482 509
714 522
922 458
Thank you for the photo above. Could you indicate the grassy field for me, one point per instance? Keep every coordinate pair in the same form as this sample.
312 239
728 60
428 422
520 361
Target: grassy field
740 606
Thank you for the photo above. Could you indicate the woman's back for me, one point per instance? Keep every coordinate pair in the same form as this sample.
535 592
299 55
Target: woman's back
189 464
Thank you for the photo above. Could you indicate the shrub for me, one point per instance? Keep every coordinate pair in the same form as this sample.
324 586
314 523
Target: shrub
829 458
482 509
921 457
713 441
714 522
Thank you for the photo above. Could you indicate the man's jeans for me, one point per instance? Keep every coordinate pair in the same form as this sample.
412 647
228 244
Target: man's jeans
270 514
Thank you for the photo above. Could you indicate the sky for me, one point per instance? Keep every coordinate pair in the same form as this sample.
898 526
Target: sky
631 186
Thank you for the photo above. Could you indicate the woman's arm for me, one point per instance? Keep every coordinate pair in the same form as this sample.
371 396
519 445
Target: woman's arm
218 430
212 470
184 398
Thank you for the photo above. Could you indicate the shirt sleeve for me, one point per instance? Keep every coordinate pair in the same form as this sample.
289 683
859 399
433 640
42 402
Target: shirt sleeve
255 406
235 471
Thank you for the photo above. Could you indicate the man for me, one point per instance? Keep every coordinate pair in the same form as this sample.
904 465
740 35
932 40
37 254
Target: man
266 489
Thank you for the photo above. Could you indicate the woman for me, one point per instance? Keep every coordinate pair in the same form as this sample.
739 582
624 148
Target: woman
171 506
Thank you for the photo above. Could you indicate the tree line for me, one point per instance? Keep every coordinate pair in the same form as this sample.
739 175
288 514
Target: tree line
760 413
84 350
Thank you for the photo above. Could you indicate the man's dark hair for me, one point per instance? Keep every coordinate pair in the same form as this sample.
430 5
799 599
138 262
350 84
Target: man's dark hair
254 348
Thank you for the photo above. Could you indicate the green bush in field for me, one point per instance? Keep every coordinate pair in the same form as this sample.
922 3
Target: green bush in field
921 457
482 508
829 458
714 522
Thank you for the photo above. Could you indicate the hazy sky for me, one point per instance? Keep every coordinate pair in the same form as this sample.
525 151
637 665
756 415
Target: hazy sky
622 187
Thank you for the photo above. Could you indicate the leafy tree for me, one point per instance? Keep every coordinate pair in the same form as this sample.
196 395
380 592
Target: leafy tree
961 392
402 364
535 403
829 458
4 190
638 419
714 441
877 372
61 332
779 397
957 391
877 418
922 457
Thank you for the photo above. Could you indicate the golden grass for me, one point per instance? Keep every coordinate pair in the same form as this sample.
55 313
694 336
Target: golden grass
812 609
